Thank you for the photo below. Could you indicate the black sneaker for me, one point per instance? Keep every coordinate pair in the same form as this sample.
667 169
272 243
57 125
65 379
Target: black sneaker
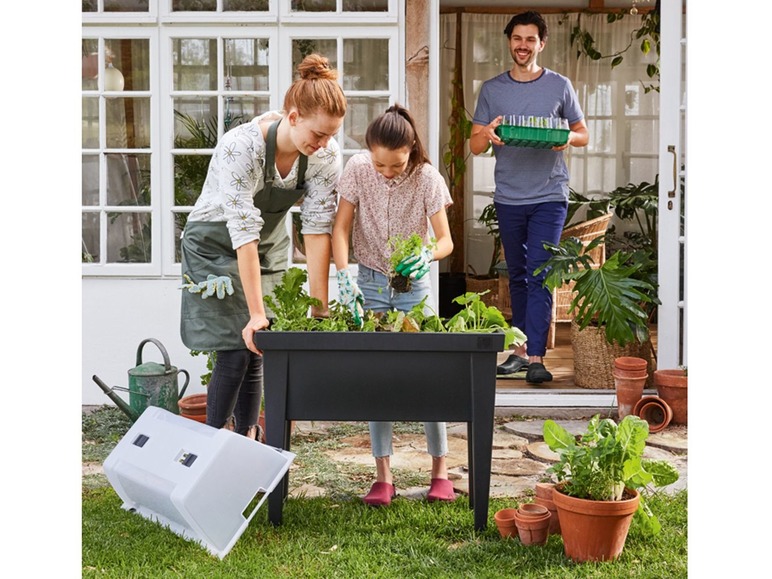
537 373
512 365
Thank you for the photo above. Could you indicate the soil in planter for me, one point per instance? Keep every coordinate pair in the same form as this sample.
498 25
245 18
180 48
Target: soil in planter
400 284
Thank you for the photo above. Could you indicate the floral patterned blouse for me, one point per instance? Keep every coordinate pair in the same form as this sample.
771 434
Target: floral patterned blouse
385 208
236 174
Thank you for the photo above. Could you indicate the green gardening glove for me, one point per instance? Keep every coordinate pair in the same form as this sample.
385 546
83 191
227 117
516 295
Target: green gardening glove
416 266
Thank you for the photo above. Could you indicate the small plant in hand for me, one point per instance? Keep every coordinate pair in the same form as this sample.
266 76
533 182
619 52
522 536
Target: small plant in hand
401 249
606 460
291 303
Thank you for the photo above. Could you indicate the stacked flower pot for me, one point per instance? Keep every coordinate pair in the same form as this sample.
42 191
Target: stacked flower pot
630 375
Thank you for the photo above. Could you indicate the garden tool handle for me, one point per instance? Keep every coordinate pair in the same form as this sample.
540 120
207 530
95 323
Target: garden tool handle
187 381
160 346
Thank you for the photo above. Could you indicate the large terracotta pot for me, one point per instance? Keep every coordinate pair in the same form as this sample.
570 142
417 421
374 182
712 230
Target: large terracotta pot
594 530
672 387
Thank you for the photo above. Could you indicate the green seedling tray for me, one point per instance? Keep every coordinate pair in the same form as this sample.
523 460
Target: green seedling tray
533 137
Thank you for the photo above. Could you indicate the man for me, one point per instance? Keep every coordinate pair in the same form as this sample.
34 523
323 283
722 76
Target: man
531 196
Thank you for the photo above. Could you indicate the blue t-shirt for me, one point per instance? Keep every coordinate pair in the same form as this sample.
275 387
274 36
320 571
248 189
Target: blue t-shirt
523 175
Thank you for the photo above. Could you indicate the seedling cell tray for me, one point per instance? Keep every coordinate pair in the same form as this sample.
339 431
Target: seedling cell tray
533 137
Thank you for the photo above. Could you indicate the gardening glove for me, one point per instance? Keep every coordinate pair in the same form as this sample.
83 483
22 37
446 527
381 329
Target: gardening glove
416 266
350 295
219 285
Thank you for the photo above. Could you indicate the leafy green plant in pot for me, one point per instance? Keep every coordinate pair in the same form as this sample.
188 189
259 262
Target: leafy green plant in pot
602 484
613 301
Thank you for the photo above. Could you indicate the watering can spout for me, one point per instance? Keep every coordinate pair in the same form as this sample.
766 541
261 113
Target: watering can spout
128 410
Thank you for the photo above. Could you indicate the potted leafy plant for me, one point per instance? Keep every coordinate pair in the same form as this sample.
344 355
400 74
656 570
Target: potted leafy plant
602 481
612 305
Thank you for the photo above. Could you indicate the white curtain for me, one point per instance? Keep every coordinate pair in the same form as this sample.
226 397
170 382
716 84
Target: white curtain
622 117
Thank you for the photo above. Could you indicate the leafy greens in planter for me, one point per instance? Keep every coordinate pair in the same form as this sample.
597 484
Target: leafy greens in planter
290 304
606 459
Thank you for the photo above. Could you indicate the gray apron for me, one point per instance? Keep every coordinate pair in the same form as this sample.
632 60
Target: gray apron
215 324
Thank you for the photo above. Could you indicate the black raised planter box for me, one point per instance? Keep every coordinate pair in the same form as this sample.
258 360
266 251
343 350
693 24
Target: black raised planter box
362 376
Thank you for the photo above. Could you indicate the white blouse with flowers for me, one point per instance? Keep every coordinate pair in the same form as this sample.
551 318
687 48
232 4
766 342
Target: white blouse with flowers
236 174
389 207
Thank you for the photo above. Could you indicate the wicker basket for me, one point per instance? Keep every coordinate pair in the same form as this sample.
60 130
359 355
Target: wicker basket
505 300
594 358
479 284
585 231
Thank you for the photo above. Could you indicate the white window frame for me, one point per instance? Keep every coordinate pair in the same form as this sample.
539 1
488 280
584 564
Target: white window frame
129 269
219 16
396 88
167 95
339 16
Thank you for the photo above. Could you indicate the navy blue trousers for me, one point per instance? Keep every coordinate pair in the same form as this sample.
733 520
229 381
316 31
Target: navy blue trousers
524 229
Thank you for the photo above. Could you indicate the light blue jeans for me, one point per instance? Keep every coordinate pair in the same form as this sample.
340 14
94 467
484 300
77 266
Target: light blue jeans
379 297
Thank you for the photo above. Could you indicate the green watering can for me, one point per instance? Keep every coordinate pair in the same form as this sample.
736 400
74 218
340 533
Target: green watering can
150 384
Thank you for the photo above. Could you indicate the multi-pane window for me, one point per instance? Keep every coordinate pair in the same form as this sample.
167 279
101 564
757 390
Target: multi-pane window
217 82
163 80
117 193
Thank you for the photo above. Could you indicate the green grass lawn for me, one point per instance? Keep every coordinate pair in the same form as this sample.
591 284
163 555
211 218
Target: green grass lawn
342 537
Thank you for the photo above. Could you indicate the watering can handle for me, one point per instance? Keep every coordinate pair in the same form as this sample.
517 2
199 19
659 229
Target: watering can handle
187 380
167 363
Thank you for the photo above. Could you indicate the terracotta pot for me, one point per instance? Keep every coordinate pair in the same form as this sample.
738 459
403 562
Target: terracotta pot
631 364
544 490
533 530
505 522
193 405
594 530
629 391
554 518
655 411
672 387
531 511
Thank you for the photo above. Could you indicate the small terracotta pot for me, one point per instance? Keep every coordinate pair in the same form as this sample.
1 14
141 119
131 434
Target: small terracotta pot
193 405
655 411
630 363
533 530
554 519
505 522
544 490
629 391
531 511
672 387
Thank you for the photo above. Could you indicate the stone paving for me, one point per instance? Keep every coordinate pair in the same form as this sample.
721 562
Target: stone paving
520 456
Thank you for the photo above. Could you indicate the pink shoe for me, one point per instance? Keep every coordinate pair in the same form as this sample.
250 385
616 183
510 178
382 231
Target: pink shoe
441 490
380 494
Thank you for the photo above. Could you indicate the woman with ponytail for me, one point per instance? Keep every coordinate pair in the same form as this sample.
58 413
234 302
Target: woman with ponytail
392 190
